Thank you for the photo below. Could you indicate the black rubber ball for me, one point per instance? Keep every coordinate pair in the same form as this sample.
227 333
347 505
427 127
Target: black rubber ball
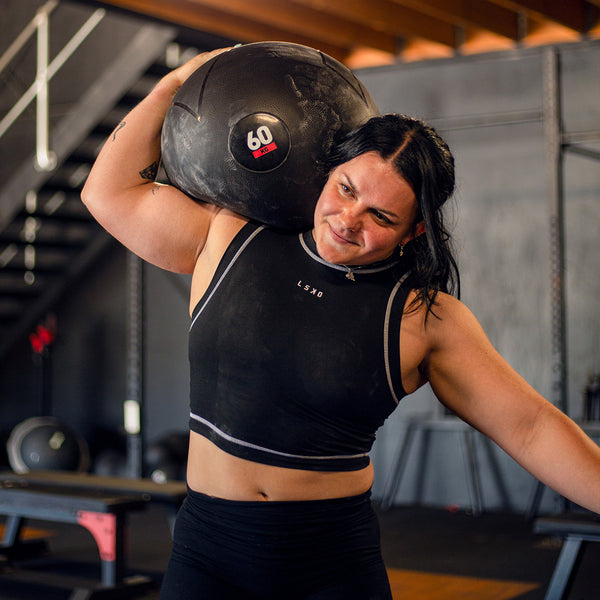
250 129
44 443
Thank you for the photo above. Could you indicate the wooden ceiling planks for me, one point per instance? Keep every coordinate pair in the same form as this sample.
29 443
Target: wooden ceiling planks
384 30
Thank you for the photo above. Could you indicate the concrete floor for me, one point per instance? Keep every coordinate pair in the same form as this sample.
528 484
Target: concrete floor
430 541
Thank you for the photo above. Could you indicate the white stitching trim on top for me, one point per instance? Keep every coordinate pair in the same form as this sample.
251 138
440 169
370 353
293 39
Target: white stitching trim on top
237 254
386 335
239 442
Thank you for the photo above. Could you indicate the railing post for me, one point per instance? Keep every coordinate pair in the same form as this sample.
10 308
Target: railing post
46 160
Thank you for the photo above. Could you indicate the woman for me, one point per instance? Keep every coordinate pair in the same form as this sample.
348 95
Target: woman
302 345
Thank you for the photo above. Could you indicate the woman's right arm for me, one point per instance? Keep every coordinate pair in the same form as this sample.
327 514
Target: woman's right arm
157 222
471 378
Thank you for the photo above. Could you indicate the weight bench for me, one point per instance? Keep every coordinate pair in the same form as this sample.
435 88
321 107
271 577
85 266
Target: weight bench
100 504
576 529
169 495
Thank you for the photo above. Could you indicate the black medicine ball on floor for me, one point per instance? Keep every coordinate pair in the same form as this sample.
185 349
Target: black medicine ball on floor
249 128
44 443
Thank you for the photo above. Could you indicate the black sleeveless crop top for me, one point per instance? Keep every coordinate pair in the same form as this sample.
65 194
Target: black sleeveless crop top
295 362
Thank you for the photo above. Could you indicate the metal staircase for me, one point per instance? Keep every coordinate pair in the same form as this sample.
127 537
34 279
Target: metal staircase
47 237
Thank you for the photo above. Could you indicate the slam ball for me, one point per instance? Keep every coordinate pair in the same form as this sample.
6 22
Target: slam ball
250 129
46 444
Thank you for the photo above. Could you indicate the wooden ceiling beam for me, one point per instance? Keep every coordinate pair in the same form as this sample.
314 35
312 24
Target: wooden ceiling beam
297 19
384 28
482 14
387 16
227 25
568 13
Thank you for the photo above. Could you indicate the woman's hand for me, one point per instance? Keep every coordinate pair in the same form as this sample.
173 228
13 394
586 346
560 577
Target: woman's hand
173 80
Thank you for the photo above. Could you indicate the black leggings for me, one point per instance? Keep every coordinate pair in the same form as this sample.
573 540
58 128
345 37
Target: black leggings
314 550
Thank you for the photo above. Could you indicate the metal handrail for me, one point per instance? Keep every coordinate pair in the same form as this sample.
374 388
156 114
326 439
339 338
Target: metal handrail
46 159
22 38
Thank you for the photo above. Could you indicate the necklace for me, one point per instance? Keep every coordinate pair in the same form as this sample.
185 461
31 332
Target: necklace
308 243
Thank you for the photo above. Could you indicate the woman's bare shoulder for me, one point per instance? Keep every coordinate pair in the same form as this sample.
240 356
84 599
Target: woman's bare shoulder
225 225
441 325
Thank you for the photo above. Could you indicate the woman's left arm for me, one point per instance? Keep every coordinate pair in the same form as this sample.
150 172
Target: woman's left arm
471 378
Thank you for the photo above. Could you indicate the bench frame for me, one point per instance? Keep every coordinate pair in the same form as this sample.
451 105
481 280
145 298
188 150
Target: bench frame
576 530
99 504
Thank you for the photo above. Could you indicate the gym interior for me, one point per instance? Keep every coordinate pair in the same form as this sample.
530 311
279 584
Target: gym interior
93 342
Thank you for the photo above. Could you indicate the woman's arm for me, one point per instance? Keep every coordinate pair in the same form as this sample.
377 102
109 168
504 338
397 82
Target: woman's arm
474 381
158 222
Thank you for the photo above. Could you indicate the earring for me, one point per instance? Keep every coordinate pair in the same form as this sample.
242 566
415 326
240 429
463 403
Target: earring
401 246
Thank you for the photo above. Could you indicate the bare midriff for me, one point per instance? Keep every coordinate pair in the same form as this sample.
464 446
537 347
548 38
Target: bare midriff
213 472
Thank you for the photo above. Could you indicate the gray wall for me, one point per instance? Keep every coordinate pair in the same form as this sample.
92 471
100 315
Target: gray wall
502 213
502 227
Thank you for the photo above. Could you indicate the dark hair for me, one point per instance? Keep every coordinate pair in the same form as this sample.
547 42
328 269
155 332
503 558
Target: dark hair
423 158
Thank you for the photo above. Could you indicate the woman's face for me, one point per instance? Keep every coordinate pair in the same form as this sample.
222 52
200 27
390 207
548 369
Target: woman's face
366 209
